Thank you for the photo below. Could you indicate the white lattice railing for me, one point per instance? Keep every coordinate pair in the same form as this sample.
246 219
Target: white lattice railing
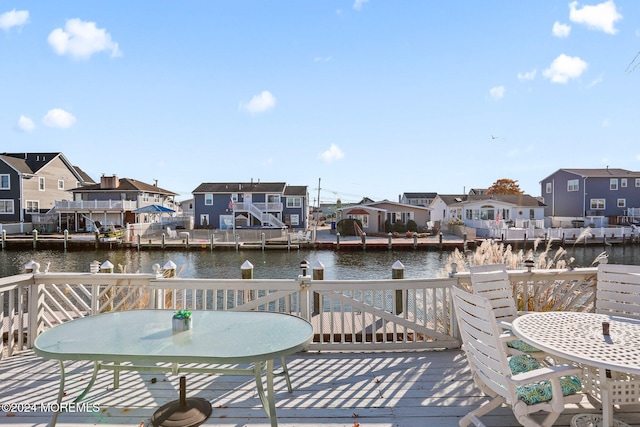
346 314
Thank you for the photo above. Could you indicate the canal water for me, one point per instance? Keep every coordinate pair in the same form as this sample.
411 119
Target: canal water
276 264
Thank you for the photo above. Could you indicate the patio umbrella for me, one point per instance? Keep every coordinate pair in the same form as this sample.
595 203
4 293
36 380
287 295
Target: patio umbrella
153 209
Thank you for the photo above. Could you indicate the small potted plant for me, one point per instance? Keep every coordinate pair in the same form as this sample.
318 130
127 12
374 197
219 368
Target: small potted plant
181 321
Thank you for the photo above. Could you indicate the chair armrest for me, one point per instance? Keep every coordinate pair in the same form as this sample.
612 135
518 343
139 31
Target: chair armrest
545 373
504 324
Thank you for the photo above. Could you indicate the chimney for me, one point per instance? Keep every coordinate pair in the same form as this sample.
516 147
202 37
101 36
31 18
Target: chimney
109 182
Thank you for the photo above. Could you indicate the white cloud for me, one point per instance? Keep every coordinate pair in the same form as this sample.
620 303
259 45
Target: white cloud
13 18
561 30
81 39
260 103
357 5
58 118
25 124
600 17
332 154
322 59
529 75
564 68
497 92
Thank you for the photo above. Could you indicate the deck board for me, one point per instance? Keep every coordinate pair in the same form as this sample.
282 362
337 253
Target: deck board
399 389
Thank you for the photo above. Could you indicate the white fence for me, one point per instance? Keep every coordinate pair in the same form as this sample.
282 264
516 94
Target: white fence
395 314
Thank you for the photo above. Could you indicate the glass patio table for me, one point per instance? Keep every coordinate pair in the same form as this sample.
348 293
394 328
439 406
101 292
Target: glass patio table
142 337
579 337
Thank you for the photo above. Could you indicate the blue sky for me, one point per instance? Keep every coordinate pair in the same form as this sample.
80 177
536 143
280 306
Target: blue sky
373 98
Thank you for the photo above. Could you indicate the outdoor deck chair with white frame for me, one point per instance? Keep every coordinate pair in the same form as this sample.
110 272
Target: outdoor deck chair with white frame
492 282
521 381
617 294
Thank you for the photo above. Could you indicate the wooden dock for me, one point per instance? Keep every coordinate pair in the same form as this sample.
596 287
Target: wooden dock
397 389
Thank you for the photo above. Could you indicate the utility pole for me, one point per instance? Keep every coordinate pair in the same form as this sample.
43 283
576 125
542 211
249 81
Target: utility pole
317 216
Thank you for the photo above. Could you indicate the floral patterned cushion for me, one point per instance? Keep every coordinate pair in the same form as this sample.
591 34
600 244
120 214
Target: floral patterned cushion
522 346
539 391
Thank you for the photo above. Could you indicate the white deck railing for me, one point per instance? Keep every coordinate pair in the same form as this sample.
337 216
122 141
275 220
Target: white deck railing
395 314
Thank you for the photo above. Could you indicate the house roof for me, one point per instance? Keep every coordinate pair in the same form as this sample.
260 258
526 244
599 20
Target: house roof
420 195
125 184
599 173
295 190
85 176
32 163
388 202
240 187
514 199
357 211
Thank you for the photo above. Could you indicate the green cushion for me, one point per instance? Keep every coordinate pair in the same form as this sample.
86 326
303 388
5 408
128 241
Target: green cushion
539 391
522 346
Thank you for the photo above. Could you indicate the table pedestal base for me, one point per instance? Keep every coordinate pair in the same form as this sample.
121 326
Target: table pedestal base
593 420
183 412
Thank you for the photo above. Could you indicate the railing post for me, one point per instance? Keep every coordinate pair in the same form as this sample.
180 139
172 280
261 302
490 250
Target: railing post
338 240
415 240
66 237
288 241
397 272
35 238
107 268
262 241
304 290
247 270
440 240
169 269
247 274
212 238
138 242
318 274
4 238
163 237
364 241
237 237
390 236
97 244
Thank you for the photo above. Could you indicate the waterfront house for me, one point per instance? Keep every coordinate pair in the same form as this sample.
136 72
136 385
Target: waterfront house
418 199
487 211
113 201
590 196
373 215
31 183
228 205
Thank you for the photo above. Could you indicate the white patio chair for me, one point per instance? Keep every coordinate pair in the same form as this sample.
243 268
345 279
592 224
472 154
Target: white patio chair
617 294
492 282
520 381
173 234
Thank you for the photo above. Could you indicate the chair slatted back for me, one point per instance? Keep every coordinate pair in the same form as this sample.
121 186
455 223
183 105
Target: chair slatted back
618 290
492 282
481 342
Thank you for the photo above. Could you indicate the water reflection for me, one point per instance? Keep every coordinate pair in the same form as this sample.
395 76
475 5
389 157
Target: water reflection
272 264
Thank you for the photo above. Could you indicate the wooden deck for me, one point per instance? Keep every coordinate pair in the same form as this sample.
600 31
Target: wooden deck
402 389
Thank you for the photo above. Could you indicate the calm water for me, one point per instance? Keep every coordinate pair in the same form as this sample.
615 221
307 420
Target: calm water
274 264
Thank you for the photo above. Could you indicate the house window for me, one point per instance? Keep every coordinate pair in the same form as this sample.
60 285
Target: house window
295 219
573 185
145 197
622 203
294 202
6 206
598 204
61 184
613 184
5 182
637 182
208 199
41 183
33 206
549 187
532 214
623 182
156 198
234 197
364 219
204 220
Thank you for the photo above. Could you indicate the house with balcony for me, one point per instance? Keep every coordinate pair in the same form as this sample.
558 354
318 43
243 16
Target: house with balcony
31 183
113 202
229 205
606 196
